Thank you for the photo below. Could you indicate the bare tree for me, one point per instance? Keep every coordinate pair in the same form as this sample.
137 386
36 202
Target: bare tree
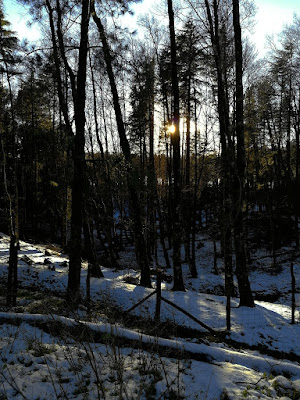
135 207
178 279
78 88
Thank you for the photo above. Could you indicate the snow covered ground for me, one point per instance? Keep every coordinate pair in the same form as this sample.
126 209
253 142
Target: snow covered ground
111 361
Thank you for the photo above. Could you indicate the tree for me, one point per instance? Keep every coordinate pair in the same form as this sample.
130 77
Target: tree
78 88
141 120
284 69
272 115
246 298
188 66
8 45
178 279
135 206
232 166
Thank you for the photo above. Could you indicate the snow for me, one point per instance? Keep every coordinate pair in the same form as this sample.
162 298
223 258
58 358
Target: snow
259 359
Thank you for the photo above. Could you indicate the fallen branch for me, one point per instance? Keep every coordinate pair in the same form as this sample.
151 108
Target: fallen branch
211 330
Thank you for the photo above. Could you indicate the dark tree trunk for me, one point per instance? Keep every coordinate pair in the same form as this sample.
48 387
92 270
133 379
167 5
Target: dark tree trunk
296 198
227 155
178 278
230 175
73 290
246 298
57 75
13 200
105 202
12 280
79 97
93 263
195 191
135 208
162 233
187 203
288 133
151 208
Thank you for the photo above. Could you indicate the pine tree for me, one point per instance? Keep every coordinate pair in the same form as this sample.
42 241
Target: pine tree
8 45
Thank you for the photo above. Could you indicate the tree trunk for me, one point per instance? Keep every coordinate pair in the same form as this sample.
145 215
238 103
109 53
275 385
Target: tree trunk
135 208
152 204
296 198
246 298
73 290
178 278
13 200
78 84
94 266
188 204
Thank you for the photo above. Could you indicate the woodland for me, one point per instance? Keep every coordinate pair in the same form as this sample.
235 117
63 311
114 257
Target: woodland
140 145
86 144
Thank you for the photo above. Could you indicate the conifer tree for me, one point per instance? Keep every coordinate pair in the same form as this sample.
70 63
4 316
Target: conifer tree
178 278
8 45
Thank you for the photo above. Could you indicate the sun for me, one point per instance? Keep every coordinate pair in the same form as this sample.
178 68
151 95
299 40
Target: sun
172 128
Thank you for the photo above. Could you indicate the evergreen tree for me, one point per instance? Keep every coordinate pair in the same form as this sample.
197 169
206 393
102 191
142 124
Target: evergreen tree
189 58
141 122
9 142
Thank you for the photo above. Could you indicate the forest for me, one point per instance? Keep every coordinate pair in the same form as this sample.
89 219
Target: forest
139 146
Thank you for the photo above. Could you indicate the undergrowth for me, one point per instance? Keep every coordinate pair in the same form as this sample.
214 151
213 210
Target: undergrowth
66 367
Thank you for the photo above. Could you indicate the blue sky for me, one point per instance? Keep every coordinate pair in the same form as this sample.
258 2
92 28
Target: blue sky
271 16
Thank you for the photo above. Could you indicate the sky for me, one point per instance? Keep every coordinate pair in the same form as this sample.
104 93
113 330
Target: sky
271 16
18 16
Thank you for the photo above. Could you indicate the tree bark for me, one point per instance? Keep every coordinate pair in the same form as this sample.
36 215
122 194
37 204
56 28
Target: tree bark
246 298
73 290
13 199
140 245
296 198
79 97
178 278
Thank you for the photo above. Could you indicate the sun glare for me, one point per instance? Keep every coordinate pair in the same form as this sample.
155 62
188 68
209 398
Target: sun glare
172 128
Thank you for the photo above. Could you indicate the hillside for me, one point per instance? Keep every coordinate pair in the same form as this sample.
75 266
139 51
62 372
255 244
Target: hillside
48 351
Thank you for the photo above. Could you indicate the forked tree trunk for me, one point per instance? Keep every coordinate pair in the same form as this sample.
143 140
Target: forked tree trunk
78 84
226 146
232 191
